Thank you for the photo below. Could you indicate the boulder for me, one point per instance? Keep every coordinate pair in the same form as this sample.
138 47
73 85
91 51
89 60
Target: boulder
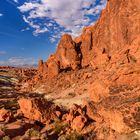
2 134
76 118
16 128
37 109
78 123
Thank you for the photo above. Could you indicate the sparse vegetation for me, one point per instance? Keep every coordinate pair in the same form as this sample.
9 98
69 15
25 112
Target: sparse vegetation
11 104
6 138
33 133
2 128
58 126
73 136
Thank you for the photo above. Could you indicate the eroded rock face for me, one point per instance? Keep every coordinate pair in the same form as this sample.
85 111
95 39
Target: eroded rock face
40 66
4 115
113 39
76 118
67 53
37 109
67 57
53 66
112 49
117 27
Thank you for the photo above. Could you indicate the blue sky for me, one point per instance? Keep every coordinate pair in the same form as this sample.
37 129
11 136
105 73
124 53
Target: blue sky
30 29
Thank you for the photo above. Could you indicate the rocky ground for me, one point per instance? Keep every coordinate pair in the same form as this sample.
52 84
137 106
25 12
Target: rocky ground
30 116
25 115
88 89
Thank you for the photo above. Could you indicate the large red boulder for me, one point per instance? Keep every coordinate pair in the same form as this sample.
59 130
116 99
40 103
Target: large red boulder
38 109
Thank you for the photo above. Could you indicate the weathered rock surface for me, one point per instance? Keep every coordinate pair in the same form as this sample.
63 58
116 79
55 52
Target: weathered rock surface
100 66
113 39
67 57
38 109
4 115
110 49
67 53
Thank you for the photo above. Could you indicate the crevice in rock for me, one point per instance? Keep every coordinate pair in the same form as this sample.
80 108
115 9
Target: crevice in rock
78 50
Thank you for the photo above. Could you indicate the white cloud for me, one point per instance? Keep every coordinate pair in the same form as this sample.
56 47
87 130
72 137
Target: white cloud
71 15
38 29
16 1
54 38
18 61
1 14
25 29
2 52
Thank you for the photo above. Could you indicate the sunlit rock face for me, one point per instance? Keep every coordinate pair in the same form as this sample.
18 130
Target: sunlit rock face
67 57
99 72
67 53
113 39
111 49
116 30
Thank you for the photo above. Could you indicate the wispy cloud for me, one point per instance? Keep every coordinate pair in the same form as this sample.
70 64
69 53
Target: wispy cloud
2 52
8 34
16 1
57 16
18 61
1 14
25 29
11 2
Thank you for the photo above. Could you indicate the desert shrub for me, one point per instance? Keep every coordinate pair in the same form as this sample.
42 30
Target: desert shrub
11 104
6 138
2 128
73 136
33 133
59 125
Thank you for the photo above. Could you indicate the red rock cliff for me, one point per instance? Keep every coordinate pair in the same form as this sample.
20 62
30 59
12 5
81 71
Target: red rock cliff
114 38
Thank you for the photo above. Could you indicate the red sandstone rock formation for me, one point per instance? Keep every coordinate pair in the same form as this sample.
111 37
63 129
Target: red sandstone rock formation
4 115
38 109
114 38
110 52
67 53
66 57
